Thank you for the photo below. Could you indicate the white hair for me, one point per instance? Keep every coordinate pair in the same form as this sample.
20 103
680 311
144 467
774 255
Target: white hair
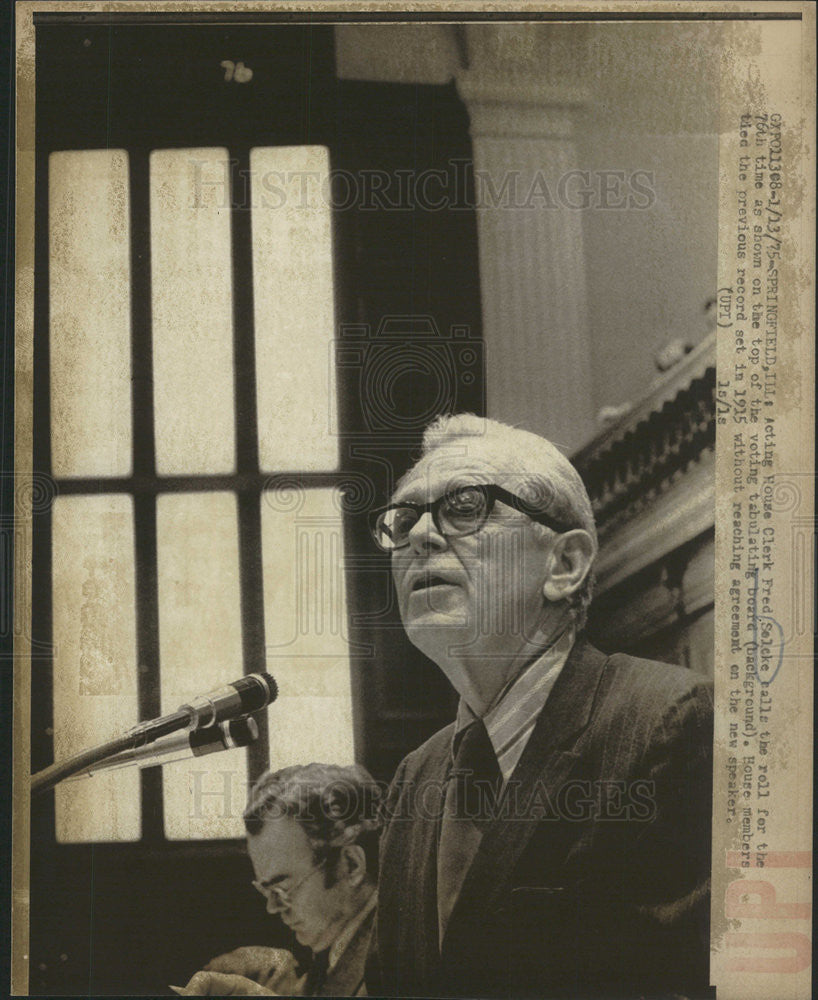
547 478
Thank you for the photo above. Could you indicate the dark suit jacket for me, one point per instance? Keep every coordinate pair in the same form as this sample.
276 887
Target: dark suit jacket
594 880
344 979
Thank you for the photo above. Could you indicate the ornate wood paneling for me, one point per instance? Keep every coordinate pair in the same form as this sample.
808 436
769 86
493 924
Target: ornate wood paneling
650 478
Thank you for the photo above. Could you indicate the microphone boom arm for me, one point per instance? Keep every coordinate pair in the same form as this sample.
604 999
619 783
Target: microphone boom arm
136 737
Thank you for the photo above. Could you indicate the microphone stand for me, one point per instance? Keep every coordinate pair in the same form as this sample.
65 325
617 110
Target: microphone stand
137 737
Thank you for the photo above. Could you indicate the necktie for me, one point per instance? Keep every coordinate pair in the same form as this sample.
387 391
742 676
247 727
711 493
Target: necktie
473 783
317 974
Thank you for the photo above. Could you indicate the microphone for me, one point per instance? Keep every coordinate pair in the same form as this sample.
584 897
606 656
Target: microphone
181 746
243 697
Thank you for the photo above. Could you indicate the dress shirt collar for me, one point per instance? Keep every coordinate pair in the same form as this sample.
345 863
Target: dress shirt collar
510 721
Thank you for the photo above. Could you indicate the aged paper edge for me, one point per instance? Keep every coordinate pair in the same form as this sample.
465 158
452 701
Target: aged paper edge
750 929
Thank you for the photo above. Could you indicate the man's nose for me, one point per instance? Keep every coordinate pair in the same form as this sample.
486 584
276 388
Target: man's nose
424 535
274 904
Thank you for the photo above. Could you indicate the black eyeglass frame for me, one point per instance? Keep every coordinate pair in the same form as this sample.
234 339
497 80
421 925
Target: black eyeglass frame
284 896
490 491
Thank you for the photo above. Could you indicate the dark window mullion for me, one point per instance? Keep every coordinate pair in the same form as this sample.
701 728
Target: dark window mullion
144 467
251 577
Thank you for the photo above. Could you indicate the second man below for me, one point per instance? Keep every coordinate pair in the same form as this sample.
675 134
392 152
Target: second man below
312 837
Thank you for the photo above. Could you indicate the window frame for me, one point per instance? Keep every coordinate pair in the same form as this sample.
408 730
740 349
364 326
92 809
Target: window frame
248 483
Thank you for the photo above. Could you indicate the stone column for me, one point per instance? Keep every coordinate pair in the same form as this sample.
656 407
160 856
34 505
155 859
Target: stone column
523 94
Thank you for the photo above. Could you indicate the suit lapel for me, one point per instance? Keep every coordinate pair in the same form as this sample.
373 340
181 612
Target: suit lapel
429 833
346 977
544 766
412 938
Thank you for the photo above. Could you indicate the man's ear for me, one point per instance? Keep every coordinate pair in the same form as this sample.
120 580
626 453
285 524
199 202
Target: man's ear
353 861
569 562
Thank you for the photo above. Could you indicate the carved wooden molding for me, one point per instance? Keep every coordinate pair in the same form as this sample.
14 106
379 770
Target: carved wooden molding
650 475
680 513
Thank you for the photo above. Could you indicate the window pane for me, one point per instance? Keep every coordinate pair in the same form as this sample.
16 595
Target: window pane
95 677
192 311
200 649
294 320
90 320
305 625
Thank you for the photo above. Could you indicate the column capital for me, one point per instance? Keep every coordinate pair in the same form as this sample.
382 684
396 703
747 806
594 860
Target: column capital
523 115
525 65
523 80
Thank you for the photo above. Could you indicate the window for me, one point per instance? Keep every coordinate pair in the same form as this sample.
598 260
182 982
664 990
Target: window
197 533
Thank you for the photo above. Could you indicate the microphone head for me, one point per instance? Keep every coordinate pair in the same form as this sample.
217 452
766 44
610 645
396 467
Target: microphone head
248 694
272 687
256 691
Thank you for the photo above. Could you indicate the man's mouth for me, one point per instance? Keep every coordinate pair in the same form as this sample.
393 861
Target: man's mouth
430 580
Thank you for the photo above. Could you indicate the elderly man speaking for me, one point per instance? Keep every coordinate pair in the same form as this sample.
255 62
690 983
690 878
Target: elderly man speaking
569 854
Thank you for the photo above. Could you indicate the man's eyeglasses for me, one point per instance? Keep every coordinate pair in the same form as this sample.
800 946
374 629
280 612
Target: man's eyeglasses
281 897
461 511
